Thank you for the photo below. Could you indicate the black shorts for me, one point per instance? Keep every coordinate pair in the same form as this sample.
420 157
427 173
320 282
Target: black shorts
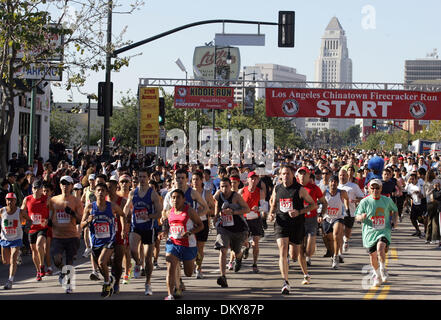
69 245
202 235
416 211
349 222
295 232
148 236
374 247
255 227
34 236
96 251
328 227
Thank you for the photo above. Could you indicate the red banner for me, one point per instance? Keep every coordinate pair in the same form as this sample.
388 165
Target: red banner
204 97
344 103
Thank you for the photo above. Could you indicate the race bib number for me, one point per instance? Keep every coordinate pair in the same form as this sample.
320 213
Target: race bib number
333 212
204 217
176 231
140 215
102 230
63 217
11 231
36 219
286 205
378 222
227 220
252 215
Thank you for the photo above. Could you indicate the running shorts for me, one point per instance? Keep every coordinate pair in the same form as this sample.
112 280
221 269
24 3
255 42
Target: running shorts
181 252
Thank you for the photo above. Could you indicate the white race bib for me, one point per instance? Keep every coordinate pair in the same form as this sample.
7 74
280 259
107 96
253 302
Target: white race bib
36 219
139 213
252 215
176 231
378 222
286 204
333 212
102 230
63 217
227 220
204 217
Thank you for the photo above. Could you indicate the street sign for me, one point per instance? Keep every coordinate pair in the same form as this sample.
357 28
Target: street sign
398 146
36 72
239 39
382 142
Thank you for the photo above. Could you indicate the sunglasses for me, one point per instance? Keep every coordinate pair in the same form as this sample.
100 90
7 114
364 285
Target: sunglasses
65 183
125 181
375 188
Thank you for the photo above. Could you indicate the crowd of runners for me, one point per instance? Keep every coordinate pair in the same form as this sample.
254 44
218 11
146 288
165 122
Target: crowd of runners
126 208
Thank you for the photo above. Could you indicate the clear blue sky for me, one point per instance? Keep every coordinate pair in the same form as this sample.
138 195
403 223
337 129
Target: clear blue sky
404 30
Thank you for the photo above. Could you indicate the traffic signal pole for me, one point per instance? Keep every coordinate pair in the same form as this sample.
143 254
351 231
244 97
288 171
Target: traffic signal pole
108 93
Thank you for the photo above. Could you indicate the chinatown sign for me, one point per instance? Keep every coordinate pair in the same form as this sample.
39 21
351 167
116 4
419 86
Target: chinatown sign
195 97
347 103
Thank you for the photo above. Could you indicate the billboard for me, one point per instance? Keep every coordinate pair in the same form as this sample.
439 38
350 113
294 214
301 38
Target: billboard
149 117
204 61
198 97
343 103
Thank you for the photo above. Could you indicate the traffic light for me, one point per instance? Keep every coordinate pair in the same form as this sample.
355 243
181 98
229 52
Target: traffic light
161 111
102 98
374 124
286 29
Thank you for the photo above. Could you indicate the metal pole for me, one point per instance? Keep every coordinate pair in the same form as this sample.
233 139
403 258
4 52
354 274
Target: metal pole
108 93
31 141
88 125
215 74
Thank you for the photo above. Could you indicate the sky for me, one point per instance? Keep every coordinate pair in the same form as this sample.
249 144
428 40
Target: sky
378 43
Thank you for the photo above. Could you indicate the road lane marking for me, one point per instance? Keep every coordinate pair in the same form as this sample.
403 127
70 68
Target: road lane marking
383 293
371 293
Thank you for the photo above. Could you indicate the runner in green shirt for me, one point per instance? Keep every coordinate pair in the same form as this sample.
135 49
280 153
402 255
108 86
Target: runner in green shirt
375 212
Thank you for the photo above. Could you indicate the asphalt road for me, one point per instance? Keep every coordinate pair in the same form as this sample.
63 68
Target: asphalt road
414 269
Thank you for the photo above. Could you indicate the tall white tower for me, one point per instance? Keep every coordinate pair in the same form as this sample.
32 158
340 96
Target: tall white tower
333 65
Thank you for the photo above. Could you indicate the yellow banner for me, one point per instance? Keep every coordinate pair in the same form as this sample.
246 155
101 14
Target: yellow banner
149 117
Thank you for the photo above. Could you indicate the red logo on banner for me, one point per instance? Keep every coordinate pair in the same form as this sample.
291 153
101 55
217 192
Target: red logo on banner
204 97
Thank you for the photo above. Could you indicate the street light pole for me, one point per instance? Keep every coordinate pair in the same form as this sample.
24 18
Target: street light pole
108 93
89 96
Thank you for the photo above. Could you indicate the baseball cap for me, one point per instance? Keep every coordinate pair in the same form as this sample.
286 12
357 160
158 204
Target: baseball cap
91 177
10 174
252 174
376 181
37 184
303 169
114 178
125 177
78 186
11 195
66 178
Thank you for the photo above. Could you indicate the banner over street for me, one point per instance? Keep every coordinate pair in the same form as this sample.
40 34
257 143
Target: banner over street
348 103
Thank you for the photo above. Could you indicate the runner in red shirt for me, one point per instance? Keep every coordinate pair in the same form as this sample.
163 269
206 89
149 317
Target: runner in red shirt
36 206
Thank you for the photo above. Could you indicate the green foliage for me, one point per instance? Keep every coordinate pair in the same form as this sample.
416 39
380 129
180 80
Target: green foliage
124 122
62 126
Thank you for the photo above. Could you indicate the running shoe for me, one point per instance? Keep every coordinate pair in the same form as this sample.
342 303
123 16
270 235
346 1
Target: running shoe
246 253
345 246
230 265
148 290
142 272
177 294
255 269
377 281
38 278
222 281
340 259
125 279
334 263
94 276
116 288
308 261
156 265
107 290
199 275
61 278
49 271
306 279
169 297
87 253
384 275
238 265
137 272
8 285
69 290
328 254
181 284
286 288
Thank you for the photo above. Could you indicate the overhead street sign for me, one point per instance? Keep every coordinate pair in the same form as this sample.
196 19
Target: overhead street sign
239 39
